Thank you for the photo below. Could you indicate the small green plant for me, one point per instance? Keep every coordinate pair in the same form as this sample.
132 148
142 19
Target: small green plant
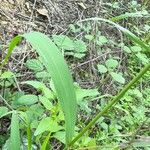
110 66
62 88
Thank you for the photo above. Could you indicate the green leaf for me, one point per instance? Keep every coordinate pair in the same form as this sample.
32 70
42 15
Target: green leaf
118 77
60 135
89 37
136 48
130 15
79 55
34 65
46 103
45 143
102 68
40 87
64 42
80 46
84 105
7 75
12 45
36 84
47 124
127 49
72 28
82 93
136 93
102 40
27 99
142 57
59 72
3 111
111 63
32 112
14 134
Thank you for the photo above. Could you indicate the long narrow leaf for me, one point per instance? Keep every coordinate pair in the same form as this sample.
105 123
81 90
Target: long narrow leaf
15 134
132 36
138 14
12 45
59 72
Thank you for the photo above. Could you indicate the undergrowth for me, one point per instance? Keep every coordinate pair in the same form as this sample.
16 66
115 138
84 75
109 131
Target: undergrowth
102 103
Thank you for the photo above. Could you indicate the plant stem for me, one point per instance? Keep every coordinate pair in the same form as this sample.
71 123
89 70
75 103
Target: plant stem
29 137
112 102
7 104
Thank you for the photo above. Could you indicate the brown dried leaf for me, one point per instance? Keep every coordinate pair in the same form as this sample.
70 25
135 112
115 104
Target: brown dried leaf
11 1
82 5
43 12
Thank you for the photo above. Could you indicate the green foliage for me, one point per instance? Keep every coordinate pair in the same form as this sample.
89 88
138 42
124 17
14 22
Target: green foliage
57 69
110 66
15 141
6 75
3 111
102 68
117 77
47 124
46 102
75 48
140 14
63 42
34 65
27 99
111 63
102 40
45 143
41 118
41 87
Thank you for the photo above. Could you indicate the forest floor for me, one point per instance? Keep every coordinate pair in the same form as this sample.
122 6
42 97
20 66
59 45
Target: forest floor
60 17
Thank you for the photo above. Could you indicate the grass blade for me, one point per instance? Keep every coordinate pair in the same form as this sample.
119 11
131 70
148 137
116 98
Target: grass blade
15 134
29 137
57 67
132 36
12 45
138 14
59 72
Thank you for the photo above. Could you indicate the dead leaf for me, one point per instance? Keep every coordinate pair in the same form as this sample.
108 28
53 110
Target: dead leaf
43 12
11 2
28 6
82 5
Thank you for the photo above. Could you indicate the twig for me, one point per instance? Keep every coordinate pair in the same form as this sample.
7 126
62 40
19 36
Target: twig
94 59
33 8
1 98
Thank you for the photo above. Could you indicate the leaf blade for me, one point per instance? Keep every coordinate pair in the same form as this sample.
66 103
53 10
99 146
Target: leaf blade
60 75
15 134
132 36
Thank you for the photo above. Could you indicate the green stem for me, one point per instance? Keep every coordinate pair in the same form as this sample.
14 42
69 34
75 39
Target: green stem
112 102
5 101
29 137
